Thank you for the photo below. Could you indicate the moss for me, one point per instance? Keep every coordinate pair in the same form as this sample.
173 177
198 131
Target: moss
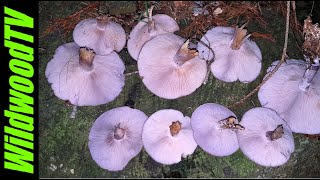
64 140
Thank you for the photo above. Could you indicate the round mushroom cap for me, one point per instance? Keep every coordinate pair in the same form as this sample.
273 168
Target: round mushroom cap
255 143
158 141
162 74
110 152
141 33
70 81
300 109
207 123
230 65
103 39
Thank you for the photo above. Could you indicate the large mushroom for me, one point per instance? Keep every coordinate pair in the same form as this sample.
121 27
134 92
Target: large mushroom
267 139
235 56
115 137
100 34
294 92
83 78
167 136
148 28
214 129
169 68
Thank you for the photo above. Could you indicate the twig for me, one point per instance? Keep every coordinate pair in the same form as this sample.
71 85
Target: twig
284 55
311 9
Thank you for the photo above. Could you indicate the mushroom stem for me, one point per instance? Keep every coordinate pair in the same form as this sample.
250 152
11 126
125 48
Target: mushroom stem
102 22
86 57
184 54
240 35
230 123
309 74
118 132
151 25
175 128
276 134
150 13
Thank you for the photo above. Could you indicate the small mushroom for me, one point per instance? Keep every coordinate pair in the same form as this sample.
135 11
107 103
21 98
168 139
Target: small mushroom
84 78
293 92
235 56
169 68
115 137
167 136
148 28
214 129
267 139
100 34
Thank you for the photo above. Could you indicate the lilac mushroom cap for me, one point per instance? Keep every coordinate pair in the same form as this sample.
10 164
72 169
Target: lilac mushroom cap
236 57
100 34
301 109
85 79
148 28
214 129
267 139
115 137
167 136
169 69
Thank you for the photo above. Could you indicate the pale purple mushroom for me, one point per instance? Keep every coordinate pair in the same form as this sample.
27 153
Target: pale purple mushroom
267 139
294 92
214 129
167 136
83 78
169 68
235 56
115 137
148 28
100 34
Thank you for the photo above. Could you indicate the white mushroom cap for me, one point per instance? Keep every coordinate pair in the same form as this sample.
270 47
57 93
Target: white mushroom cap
98 82
209 131
159 142
168 68
146 30
255 140
115 137
301 109
100 34
230 63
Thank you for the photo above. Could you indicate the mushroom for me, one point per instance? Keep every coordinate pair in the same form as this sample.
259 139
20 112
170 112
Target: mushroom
235 56
267 139
168 68
293 91
100 34
167 136
148 28
83 78
214 129
115 137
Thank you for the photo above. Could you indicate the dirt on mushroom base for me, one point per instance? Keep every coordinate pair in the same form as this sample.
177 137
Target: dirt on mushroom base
65 139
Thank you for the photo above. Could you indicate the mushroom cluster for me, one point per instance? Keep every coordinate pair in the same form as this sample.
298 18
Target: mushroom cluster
88 72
